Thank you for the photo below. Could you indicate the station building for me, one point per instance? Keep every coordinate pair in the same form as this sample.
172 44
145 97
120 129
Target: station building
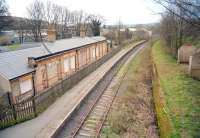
33 70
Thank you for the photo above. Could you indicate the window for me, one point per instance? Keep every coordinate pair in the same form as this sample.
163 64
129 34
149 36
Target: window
93 53
97 51
88 55
25 86
72 62
66 65
52 69
69 64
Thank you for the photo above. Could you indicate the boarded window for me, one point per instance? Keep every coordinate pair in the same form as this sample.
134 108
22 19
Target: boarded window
100 49
25 86
104 49
82 57
97 51
72 62
52 69
69 64
88 55
66 65
93 53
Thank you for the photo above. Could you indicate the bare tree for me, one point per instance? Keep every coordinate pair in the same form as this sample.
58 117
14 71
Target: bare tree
36 15
79 18
60 17
3 8
187 10
180 17
49 12
5 21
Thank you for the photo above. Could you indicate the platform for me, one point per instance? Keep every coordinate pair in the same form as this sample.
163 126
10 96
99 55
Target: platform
48 122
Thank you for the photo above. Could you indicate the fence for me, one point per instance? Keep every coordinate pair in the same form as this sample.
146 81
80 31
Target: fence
11 114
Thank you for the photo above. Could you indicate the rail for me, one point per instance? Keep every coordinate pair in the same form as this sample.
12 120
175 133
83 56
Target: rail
106 79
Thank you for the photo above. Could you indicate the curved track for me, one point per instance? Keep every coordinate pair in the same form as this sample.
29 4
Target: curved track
88 120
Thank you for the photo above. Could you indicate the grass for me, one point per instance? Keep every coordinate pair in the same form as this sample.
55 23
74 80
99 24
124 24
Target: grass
13 47
177 99
133 106
192 40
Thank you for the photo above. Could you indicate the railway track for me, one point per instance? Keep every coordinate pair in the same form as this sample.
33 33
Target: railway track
93 123
89 119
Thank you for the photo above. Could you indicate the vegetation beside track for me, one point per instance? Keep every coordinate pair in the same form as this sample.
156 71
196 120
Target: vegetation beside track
132 114
176 95
13 47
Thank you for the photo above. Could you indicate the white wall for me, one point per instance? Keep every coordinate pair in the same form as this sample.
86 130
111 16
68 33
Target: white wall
4 85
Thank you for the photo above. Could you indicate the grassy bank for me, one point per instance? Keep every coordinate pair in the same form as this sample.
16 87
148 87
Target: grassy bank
177 97
132 113
13 47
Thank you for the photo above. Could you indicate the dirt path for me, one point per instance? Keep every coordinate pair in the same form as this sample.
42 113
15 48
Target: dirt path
132 114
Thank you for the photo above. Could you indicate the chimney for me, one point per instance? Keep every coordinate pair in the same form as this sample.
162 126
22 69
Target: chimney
82 31
51 34
31 62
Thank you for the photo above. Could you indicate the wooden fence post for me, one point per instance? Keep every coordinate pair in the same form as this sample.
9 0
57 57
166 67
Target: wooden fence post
34 107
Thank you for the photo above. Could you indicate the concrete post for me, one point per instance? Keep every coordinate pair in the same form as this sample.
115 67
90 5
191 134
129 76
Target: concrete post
194 65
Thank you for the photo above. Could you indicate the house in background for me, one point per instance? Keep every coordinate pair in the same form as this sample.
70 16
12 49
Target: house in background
8 37
33 70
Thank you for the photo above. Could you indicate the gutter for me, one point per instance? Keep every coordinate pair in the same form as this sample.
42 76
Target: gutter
60 52
51 55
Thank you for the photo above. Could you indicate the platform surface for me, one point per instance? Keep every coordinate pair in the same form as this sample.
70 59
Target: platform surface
48 122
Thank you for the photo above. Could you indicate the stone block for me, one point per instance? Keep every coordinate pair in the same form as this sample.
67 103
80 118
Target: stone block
185 52
194 65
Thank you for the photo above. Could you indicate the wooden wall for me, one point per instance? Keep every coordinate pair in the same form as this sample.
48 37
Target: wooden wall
53 70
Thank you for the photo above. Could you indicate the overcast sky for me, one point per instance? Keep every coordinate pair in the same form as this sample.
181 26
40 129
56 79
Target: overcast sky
128 11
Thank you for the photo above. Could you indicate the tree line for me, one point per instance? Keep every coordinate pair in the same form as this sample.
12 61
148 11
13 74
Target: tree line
180 23
41 15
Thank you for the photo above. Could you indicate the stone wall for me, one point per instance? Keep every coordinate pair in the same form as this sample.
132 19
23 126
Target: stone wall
185 52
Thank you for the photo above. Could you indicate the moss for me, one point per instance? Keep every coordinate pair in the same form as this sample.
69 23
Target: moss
124 119
180 94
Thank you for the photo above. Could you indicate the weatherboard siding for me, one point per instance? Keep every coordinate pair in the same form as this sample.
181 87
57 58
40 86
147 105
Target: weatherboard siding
16 90
4 85
52 70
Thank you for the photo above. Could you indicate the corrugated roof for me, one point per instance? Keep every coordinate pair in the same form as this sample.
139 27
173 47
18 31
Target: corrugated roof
14 64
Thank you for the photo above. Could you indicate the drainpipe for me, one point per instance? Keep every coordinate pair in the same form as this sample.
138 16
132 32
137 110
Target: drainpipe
33 82
34 93
76 61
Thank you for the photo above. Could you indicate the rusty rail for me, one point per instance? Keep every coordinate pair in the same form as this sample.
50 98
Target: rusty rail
100 124
81 119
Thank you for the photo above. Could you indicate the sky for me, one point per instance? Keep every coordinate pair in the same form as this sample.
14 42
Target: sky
127 11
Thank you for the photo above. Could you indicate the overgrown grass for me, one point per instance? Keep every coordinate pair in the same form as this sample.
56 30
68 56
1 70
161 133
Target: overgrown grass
13 47
192 40
178 97
132 114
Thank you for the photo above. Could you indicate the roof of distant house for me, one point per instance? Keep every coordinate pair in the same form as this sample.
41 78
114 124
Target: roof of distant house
15 63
